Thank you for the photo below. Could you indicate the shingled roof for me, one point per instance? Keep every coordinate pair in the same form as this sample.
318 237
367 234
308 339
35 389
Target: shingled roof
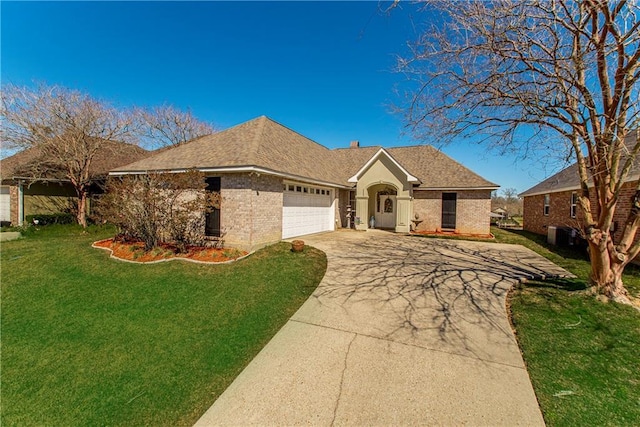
568 179
113 155
437 170
266 144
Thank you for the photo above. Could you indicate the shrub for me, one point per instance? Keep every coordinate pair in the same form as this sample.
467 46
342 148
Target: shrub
159 207
48 219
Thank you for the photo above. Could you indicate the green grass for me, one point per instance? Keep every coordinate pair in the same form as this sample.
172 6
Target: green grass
87 340
575 260
582 355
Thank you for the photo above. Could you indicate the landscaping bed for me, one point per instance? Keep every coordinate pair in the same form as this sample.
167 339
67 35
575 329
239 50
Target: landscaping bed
133 251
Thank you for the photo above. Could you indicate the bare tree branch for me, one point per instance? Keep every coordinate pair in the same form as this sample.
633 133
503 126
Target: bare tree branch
66 127
167 126
569 70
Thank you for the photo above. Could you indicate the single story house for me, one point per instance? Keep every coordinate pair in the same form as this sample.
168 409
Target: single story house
553 203
23 194
277 184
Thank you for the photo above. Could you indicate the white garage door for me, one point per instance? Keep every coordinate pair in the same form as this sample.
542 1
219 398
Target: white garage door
306 210
5 209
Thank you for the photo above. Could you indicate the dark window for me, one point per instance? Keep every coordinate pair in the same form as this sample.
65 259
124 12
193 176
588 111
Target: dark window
574 204
388 206
449 204
212 218
546 204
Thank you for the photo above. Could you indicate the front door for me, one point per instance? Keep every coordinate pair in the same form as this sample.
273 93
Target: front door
386 212
449 202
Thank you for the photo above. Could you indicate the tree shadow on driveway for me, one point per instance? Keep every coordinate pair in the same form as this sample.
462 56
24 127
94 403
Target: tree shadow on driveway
443 295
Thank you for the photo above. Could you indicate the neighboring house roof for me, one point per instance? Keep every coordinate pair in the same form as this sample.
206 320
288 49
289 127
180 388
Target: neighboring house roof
114 154
565 180
568 179
265 145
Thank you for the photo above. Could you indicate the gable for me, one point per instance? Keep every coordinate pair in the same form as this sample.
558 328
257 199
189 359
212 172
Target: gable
382 166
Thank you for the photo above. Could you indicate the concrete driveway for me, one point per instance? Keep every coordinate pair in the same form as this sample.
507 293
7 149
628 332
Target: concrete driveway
401 331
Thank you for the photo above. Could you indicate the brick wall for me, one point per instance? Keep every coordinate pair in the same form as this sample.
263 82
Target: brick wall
559 211
622 210
536 221
267 210
472 210
472 214
428 206
13 201
251 210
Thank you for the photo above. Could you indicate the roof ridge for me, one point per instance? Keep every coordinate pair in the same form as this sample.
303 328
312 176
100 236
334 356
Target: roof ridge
355 148
261 123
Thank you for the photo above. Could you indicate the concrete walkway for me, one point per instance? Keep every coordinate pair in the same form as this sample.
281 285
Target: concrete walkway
401 331
7 236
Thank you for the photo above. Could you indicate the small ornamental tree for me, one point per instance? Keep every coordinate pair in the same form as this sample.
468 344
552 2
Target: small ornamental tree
159 207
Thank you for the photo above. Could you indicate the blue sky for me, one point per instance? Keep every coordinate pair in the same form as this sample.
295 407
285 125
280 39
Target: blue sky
324 69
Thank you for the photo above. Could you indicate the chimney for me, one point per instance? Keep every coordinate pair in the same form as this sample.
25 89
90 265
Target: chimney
354 144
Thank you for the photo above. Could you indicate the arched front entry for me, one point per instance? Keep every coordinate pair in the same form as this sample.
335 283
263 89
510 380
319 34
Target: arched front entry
383 206
383 191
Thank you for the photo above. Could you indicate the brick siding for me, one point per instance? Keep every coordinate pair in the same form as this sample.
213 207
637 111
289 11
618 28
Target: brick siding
559 215
251 210
472 210
13 205
560 211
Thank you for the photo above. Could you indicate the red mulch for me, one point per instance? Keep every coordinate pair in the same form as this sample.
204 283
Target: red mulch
134 251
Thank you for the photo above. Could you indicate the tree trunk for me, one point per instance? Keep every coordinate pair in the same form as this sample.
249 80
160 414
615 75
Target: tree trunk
82 207
606 271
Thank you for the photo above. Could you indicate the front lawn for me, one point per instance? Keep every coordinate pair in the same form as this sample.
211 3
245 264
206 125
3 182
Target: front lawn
581 354
87 340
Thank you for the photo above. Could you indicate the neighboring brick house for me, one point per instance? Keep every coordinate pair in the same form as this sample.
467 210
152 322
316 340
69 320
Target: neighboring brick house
553 202
277 184
22 194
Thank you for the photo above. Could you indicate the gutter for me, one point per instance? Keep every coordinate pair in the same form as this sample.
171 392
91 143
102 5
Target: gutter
239 169
575 187
454 188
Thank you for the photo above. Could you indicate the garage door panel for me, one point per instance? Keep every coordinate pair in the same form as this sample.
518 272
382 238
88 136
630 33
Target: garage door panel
5 204
305 214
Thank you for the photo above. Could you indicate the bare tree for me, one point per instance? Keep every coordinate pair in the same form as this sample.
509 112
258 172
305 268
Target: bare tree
67 127
560 72
167 126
